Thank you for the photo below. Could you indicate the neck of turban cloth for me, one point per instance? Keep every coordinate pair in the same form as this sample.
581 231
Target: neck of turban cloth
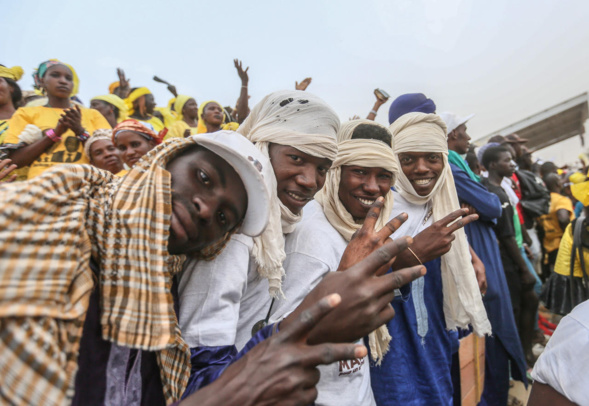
297 119
88 212
410 103
134 95
179 103
14 73
116 101
420 132
369 154
42 70
137 128
201 126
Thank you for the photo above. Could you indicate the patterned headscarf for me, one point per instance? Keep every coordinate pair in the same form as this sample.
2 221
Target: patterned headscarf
137 128
75 212
42 70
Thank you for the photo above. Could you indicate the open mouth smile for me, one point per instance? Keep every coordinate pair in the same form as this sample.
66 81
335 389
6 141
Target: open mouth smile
364 201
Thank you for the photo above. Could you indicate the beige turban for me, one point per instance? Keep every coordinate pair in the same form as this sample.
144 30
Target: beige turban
368 154
420 132
100 134
305 122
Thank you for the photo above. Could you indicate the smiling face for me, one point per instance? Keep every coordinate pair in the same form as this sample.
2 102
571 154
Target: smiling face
359 188
59 81
213 114
132 146
208 200
298 175
104 155
423 170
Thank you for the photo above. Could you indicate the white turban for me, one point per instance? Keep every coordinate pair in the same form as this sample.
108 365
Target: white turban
369 154
98 135
420 132
305 122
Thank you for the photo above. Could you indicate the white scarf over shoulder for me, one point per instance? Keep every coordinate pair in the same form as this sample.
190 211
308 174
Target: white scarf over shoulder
297 119
463 305
369 154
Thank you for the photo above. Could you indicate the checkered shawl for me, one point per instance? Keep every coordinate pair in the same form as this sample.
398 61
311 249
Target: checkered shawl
49 228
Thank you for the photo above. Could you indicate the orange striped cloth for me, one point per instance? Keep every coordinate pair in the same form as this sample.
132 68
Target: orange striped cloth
49 228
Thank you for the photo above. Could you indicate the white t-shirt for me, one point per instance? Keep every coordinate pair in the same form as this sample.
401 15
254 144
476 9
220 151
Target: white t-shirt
564 364
312 250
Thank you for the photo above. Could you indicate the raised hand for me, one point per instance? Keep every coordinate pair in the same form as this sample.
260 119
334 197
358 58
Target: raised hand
282 369
6 166
304 84
124 85
367 239
366 296
242 73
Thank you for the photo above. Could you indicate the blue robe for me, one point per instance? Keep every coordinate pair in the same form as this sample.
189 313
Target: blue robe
504 345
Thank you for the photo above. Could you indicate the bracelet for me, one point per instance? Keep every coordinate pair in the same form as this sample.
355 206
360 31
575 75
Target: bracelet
84 136
373 112
52 136
244 86
415 255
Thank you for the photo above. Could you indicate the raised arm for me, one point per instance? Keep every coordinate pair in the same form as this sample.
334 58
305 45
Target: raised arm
242 109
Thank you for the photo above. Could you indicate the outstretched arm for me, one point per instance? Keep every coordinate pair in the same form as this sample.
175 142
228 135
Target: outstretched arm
242 108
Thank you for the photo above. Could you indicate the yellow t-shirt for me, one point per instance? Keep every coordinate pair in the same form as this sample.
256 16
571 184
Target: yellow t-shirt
563 259
177 130
68 150
552 230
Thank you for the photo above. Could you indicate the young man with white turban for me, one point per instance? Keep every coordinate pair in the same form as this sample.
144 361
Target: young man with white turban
297 131
417 369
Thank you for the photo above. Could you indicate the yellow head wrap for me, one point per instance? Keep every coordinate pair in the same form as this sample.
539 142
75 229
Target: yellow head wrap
135 94
117 102
179 105
202 128
577 177
580 192
113 86
171 102
14 73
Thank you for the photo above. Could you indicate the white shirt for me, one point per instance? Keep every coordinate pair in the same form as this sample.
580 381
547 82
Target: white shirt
564 364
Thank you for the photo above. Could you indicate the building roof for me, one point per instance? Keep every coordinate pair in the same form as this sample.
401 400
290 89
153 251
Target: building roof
550 126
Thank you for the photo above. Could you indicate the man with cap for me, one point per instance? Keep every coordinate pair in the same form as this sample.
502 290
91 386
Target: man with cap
79 264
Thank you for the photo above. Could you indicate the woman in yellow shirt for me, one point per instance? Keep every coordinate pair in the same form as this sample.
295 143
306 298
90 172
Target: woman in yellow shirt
141 105
10 95
64 127
187 124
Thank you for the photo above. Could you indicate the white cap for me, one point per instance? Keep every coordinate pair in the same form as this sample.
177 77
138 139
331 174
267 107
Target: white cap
249 164
453 121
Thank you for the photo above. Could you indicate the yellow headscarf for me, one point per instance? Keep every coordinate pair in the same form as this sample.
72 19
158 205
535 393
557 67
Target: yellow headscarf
202 128
113 86
135 94
117 102
14 73
580 192
179 103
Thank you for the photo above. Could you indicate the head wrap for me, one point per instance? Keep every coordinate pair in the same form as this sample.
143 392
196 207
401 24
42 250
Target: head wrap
577 177
137 128
113 86
366 153
40 72
300 120
179 103
98 135
410 103
419 132
134 95
580 192
202 127
14 73
82 212
116 101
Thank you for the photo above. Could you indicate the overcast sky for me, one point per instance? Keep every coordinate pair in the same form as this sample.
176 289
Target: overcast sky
503 60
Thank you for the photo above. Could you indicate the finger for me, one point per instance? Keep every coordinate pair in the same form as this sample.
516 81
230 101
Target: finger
373 214
328 353
400 278
385 315
4 172
11 179
462 222
372 263
4 162
308 319
453 216
392 226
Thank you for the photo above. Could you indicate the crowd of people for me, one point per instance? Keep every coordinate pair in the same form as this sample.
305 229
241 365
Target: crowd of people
209 255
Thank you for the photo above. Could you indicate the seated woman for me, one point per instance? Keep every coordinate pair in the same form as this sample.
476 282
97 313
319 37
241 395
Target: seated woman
133 139
112 107
102 153
64 127
141 105
187 114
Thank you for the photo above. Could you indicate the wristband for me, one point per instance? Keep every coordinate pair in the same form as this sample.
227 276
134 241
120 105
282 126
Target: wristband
52 136
372 111
84 136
